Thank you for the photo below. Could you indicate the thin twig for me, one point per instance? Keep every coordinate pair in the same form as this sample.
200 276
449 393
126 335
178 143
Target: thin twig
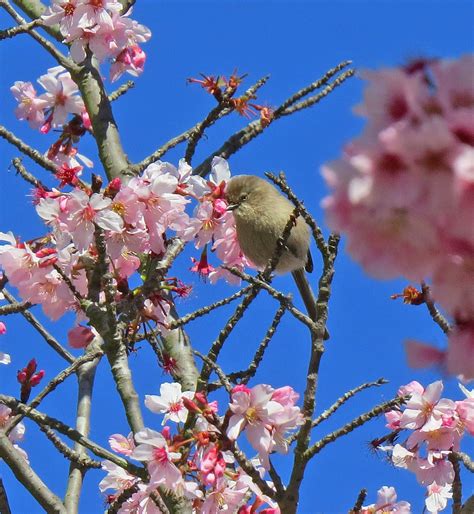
352 425
14 308
438 318
121 90
219 372
25 475
281 182
19 29
37 156
465 459
55 424
68 63
249 373
27 176
73 456
457 486
184 320
184 136
255 128
52 384
359 502
4 504
343 399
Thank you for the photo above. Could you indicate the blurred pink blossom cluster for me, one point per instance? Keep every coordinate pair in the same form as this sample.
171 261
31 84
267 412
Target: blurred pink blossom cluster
437 426
403 192
202 467
98 27
136 219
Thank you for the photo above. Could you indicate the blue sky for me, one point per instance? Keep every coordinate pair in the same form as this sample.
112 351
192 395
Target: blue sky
295 42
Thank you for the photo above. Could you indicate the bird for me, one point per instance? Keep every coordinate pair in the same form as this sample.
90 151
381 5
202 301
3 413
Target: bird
261 213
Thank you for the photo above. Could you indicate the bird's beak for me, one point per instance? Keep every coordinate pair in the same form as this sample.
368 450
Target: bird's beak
232 207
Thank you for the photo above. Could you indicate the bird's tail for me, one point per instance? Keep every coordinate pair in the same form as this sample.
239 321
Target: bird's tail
307 295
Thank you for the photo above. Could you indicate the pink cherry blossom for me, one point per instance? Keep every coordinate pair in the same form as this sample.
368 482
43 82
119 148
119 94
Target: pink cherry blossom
420 355
62 12
254 411
438 496
152 448
459 359
121 444
85 211
30 107
117 478
170 402
61 96
387 502
80 337
227 495
3 328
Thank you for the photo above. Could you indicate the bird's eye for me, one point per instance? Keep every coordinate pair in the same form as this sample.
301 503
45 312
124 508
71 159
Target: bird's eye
243 197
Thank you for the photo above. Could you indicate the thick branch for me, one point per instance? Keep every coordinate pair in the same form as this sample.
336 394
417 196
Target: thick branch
85 378
26 476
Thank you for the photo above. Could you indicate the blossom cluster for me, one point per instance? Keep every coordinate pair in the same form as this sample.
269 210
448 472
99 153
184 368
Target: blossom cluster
51 109
136 220
437 426
200 465
98 27
403 192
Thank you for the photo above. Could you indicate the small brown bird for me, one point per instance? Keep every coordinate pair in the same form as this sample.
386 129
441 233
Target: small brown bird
261 214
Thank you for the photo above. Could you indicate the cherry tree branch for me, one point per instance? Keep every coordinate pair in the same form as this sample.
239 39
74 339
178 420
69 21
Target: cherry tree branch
194 133
289 106
55 424
438 318
34 154
343 399
4 504
53 384
352 425
28 478
77 471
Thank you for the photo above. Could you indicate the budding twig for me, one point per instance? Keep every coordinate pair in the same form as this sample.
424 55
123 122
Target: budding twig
53 384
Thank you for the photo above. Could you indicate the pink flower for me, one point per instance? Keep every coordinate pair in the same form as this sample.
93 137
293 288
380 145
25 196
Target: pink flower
170 402
3 328
465 411
421 355
459 359
131 60
212 465
85 211
117 478
121 444
80 337
387 502
227 495
438 496
62 12
61 96
152 448
254 411
425 411
30 107
90 13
